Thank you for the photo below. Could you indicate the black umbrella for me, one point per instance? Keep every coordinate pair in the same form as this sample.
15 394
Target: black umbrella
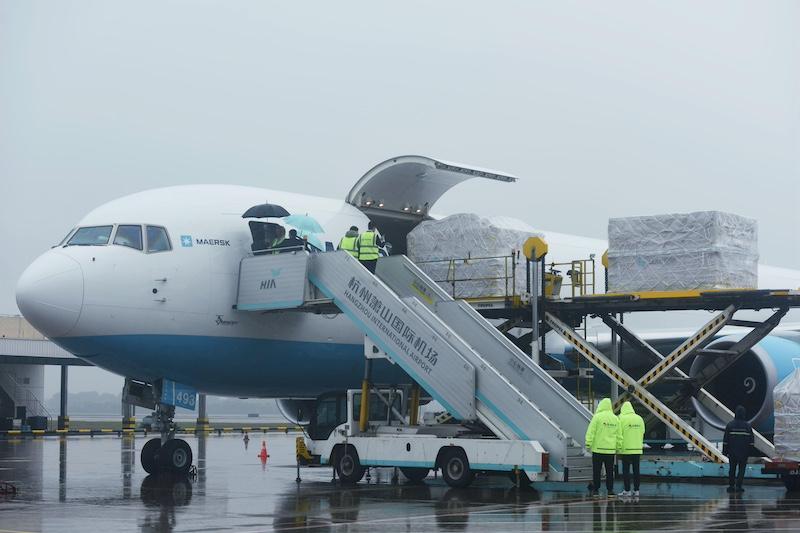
265 211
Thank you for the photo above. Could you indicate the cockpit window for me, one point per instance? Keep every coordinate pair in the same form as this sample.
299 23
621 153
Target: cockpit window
157 239
129 235
91 236
67 236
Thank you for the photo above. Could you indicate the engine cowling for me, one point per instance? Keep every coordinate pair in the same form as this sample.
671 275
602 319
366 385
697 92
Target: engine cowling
750 380
296 411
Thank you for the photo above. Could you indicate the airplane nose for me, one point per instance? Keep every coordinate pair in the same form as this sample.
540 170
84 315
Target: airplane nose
50 293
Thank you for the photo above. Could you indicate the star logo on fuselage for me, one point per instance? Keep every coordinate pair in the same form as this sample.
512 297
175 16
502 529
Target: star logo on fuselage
186 241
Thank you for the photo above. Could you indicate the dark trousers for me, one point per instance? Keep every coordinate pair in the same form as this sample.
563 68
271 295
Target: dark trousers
734 465
629 461
600 460
370 264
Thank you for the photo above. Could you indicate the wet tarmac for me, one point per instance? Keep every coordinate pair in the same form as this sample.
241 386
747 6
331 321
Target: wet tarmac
96 484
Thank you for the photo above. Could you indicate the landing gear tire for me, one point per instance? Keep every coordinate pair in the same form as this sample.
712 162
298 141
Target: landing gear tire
175 456
455 469
415 474
348 466
149 455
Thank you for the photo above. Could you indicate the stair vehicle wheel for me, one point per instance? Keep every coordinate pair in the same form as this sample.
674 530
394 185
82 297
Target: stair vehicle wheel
347 465
455 469
149 455
415 474
176 456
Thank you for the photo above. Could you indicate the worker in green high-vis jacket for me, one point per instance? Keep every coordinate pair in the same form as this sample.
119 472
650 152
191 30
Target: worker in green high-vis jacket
369 244
629 447
601 440
349 243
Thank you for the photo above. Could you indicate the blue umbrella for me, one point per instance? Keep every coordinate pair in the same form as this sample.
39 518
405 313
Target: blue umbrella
313 240
304 223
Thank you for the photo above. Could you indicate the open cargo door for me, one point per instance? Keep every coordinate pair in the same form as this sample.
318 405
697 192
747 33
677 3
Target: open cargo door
400 192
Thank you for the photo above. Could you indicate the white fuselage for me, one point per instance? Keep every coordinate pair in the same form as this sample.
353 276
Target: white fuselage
171 314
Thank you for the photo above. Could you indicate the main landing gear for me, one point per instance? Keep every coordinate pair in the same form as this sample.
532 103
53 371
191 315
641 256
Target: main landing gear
166 453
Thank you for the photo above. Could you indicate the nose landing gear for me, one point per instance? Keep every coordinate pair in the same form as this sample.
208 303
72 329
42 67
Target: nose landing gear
166 453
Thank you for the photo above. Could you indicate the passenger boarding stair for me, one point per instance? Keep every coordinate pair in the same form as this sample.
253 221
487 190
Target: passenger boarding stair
457 356
564 411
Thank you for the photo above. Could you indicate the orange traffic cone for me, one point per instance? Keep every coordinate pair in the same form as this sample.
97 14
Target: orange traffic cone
263 453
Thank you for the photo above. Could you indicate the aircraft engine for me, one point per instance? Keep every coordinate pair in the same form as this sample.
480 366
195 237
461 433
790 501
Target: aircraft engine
750 380
296 411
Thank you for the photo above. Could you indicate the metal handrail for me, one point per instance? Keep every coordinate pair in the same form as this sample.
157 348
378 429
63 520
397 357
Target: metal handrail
581 274
507 278
29 398
285 249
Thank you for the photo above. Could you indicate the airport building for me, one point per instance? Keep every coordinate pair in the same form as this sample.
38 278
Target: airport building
24 352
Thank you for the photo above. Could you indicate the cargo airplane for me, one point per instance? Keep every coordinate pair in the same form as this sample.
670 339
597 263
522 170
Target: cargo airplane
145 286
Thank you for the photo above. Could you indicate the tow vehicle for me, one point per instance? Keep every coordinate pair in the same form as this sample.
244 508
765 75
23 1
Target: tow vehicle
787 470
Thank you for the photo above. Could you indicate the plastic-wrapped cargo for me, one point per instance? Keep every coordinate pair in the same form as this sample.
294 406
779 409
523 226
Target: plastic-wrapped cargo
786 396
440 247
687 251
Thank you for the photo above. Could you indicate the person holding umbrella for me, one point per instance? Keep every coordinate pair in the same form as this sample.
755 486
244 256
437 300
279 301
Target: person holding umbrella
294 242
304 236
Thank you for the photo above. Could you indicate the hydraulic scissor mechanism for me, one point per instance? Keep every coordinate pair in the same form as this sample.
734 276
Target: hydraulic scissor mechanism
653 404
694 385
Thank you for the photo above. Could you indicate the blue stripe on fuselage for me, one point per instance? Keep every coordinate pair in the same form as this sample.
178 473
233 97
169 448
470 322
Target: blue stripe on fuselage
234 366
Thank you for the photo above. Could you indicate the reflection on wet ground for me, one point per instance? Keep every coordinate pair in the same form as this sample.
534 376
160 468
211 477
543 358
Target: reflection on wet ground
80 484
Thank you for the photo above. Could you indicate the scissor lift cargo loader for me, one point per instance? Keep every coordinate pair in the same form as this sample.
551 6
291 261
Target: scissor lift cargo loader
727 303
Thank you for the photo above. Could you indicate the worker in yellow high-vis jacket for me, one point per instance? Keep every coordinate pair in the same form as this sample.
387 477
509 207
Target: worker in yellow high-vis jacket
630 443
601 440
369 244
349 243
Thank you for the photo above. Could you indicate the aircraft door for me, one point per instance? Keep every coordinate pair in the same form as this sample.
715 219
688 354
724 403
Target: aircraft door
180 287
179 280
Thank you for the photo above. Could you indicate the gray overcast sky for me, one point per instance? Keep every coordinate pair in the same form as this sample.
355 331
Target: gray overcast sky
602 108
